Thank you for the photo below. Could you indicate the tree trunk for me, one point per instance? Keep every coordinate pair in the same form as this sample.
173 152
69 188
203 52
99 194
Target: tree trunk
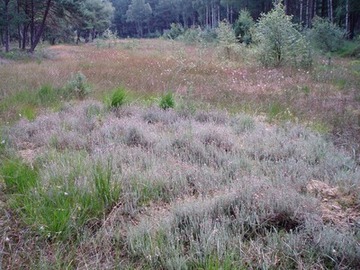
18 24
207 16
323 4
347 17
1 38
24 36
227 13
330 10
42 27
301 12
7 32
213 18
78 33
307 15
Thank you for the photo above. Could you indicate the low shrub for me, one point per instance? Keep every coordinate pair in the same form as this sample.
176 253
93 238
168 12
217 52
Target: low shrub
77 86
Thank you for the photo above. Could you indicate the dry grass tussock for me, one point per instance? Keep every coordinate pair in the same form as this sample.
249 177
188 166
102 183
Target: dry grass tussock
207 190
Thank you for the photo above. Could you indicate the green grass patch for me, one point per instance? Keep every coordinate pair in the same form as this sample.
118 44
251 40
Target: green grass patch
47 95
277 111
350 49
148 192
320 127
60 210
18 176
28 111
25 103
118 97
167 101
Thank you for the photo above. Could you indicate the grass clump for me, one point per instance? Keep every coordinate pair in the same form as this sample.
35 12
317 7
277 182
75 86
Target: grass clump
47 95
57 206
167 101
277 111
18 176
118 98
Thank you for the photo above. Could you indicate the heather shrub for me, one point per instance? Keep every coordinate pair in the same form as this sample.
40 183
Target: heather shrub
211 116
206 190
135 137
242 123
154 115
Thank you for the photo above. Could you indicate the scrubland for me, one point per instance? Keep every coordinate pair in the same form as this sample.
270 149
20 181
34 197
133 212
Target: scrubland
254 168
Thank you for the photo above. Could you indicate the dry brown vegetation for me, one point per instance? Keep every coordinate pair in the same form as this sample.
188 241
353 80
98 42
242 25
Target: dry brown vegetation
194 187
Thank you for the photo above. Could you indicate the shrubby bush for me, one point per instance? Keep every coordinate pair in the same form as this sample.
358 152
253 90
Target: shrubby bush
77 86
175 30
226 38
326 36
191 35
279 41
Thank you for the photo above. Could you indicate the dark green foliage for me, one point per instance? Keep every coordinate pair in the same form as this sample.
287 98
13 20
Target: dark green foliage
118 98
174 31
350 49
243 26
326 36
167 101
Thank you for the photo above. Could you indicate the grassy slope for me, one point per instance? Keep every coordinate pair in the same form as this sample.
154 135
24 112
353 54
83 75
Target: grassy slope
146 188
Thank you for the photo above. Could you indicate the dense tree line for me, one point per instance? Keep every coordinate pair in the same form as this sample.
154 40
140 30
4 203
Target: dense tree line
29 21
157 15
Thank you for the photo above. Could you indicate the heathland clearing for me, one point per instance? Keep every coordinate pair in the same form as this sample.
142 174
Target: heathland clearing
253 168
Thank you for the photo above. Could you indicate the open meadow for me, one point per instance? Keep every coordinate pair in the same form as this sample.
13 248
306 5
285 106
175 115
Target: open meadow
157 154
